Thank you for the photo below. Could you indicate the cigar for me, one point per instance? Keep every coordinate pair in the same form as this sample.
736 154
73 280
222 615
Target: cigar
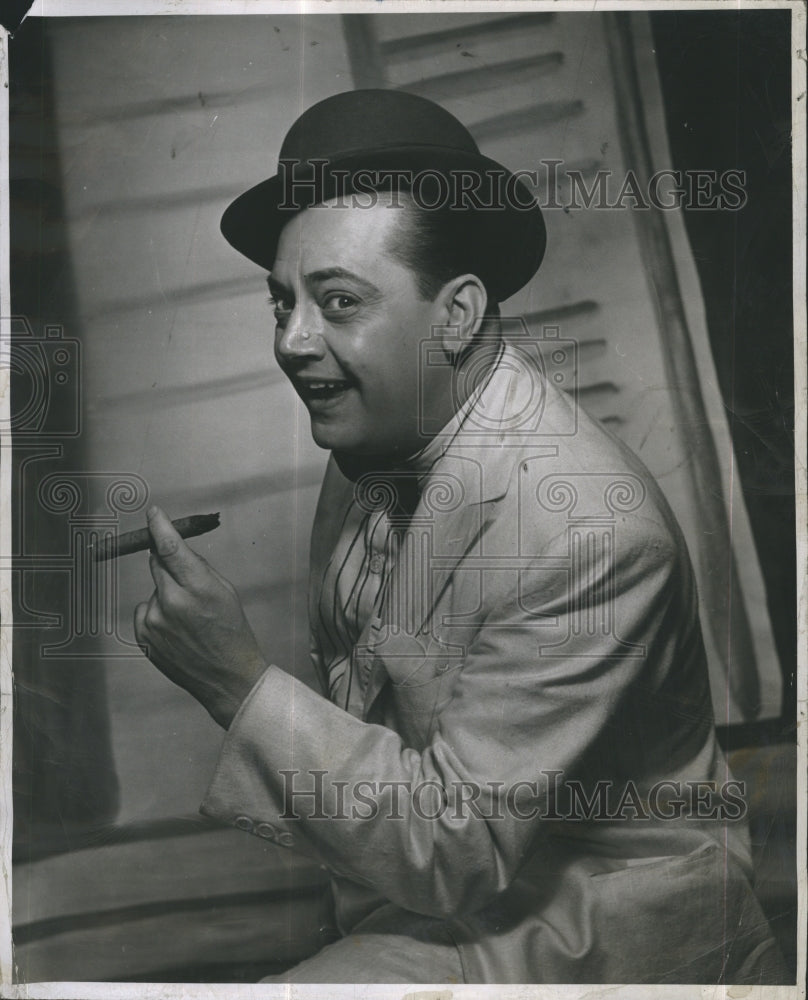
140 540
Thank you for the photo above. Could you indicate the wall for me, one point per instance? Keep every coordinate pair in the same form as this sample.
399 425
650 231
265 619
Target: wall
175 117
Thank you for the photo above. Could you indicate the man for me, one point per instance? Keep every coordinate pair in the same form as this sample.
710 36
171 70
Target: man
511 772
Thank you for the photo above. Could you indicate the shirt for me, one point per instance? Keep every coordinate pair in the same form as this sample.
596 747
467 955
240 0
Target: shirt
372 538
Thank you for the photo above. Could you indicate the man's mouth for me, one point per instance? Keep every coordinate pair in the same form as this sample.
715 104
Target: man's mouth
321 390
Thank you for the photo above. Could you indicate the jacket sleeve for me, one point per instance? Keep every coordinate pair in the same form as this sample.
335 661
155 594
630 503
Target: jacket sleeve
527 700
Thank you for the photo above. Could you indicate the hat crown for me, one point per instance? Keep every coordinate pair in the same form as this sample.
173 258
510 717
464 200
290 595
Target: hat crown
389 131
364 120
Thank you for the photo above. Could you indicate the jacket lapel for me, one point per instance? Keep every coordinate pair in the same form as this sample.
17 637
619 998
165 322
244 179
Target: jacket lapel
436 542
458 501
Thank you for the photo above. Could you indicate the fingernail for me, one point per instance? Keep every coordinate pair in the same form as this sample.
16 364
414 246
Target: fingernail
151 511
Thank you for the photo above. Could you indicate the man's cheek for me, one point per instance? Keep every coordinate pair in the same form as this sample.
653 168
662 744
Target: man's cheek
395 409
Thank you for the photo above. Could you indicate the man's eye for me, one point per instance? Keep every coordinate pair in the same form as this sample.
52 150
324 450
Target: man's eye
281 307
339 302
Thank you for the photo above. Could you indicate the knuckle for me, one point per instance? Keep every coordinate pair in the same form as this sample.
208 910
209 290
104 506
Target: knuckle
153 617
173 604
140 612
166 547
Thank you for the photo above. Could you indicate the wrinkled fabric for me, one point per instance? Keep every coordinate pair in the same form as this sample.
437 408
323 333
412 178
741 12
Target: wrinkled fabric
540 632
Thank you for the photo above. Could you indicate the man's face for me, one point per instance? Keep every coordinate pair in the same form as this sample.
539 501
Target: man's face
349 324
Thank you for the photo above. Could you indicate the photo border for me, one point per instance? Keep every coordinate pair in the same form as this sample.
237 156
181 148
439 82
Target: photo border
84 8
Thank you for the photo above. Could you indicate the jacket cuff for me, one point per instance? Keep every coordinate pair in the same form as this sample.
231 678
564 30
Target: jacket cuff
259 735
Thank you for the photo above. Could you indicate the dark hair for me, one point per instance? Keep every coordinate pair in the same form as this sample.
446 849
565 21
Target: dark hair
437 245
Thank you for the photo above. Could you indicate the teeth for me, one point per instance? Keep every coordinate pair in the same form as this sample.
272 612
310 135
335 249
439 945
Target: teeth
325 385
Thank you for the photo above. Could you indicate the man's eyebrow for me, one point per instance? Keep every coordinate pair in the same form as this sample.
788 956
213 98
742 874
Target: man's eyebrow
324 274
327 273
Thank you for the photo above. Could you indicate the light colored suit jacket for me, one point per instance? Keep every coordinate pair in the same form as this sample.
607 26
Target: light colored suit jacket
536 703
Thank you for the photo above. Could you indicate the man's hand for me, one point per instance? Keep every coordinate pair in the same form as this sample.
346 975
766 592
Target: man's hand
193 627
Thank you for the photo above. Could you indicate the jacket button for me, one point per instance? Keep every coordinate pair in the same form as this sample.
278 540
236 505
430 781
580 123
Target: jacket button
265 830
376 564
244 823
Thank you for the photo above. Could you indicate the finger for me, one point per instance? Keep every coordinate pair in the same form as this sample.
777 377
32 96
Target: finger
140 626
155 619
173 594
167 588
181 562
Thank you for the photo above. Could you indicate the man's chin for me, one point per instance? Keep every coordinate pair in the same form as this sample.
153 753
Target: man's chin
355 464
338 436
354 456
327 436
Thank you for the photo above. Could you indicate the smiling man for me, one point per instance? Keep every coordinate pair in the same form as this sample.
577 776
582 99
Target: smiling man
349 336
511 770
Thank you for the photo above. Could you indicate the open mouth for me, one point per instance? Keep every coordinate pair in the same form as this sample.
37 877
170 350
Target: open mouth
314 391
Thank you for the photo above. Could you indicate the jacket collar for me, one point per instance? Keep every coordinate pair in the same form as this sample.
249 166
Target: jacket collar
461 494
504 420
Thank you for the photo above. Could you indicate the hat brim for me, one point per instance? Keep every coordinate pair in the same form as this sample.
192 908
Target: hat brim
509 231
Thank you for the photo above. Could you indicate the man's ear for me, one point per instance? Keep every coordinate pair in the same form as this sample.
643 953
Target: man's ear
464 302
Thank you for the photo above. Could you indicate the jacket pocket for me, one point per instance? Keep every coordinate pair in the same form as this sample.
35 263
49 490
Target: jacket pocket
677 865
689 918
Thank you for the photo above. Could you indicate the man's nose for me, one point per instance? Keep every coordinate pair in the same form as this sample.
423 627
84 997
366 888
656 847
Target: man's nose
300 337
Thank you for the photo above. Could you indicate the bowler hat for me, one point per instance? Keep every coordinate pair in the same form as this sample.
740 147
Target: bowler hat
384 139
